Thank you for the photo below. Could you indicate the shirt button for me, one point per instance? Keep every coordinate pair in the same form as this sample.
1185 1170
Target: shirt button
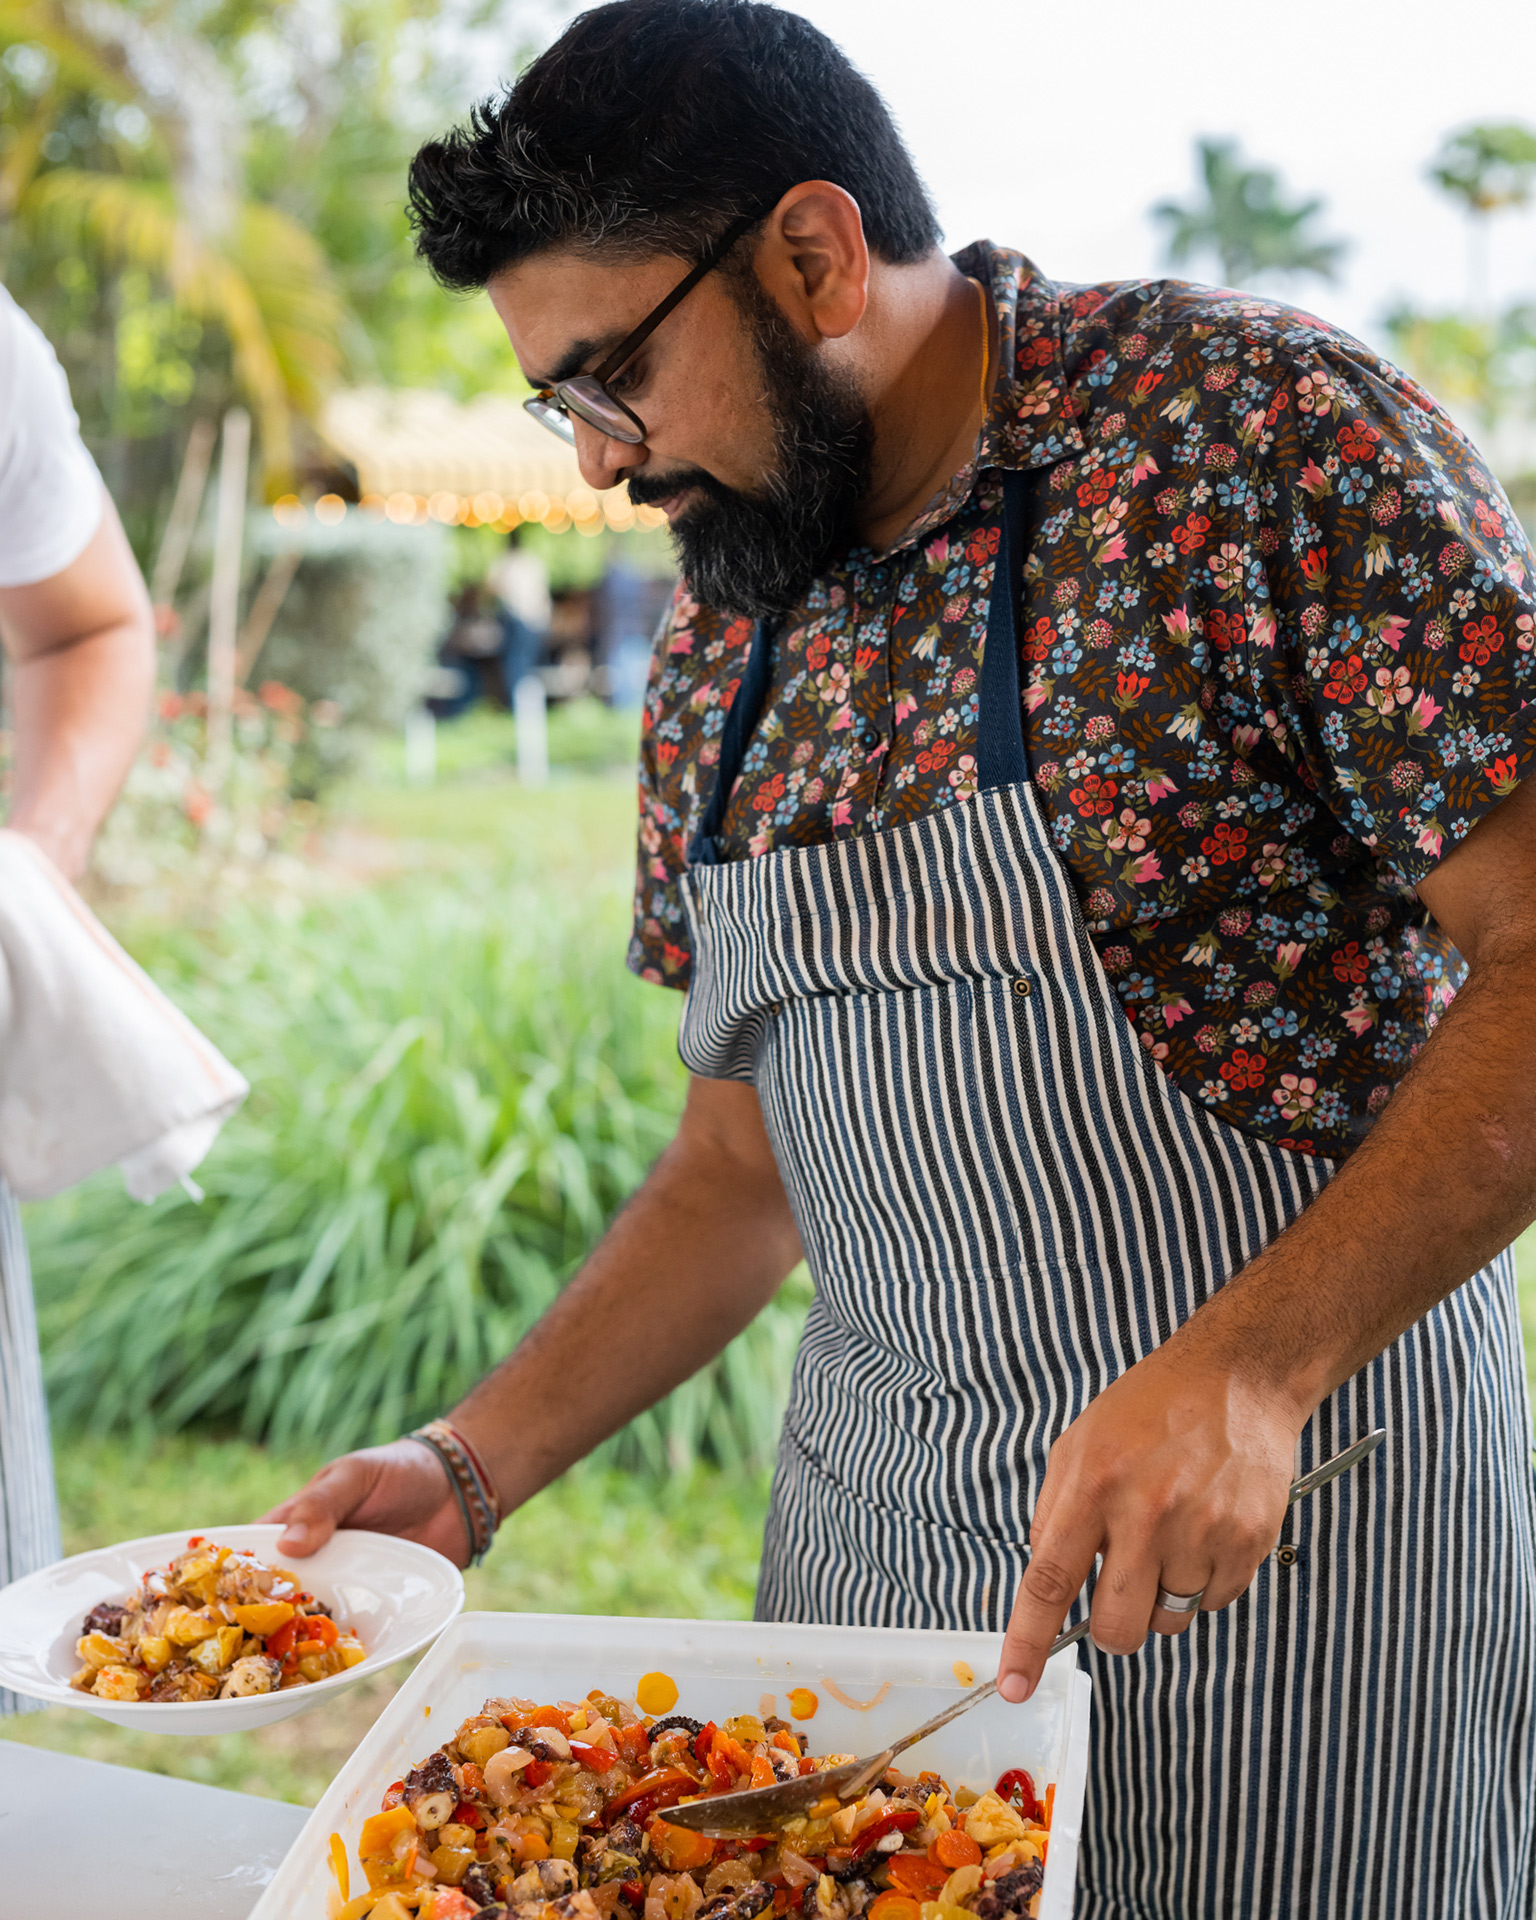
869 739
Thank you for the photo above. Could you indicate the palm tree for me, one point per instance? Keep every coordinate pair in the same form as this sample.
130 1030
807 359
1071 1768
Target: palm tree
173 208
1489 168
1244 223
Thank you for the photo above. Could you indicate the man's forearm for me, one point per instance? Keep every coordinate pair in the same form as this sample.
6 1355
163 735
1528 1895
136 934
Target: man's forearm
78 715
697 1253
1446 1180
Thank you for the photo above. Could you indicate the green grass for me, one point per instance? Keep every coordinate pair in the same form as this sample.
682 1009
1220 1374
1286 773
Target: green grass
585 738
456 1083
599 1541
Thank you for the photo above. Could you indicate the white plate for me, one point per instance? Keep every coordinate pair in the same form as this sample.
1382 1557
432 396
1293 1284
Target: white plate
721 1667
395 1595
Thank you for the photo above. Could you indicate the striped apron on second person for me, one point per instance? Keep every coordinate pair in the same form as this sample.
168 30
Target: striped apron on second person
29 1508
1004 1204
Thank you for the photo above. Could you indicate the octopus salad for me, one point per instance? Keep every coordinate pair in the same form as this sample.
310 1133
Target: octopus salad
214 1624
558 1812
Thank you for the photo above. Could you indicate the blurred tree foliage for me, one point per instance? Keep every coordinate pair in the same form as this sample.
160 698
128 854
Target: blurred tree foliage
1243 222
1481 362
203 199
1487 169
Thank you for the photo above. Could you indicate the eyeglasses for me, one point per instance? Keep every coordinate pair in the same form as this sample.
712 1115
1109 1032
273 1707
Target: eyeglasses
587 396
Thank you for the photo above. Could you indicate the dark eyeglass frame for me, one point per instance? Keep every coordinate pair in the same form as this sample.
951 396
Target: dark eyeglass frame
586 394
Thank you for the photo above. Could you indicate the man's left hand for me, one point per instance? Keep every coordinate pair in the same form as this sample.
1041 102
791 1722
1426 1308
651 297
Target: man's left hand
1178 1476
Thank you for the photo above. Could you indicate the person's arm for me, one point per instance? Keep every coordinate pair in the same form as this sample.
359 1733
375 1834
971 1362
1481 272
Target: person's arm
696 1254
1177 1473
81 648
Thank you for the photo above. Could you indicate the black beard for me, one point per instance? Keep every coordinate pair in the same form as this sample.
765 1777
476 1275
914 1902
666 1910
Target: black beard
756 554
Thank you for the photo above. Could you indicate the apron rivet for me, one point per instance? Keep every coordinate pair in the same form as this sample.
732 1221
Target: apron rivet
1286 1556
1021 988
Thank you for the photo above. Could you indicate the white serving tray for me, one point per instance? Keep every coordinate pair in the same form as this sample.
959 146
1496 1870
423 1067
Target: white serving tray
721 1667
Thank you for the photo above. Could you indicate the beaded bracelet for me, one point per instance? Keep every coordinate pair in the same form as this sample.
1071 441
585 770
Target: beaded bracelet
472 1485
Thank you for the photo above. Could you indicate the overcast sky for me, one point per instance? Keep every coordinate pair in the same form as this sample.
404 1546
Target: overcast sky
1053 127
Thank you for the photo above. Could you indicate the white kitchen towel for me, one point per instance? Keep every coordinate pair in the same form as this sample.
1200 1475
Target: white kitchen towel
96 1066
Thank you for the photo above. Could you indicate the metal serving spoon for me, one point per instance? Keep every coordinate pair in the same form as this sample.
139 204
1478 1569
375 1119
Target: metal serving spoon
762 1809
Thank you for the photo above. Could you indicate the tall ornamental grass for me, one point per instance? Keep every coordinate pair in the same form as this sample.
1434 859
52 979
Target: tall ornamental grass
452 1095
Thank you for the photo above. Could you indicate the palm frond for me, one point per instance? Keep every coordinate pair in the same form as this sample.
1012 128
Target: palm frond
271 292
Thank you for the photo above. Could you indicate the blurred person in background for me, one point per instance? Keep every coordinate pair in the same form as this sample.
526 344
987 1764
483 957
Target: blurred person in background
470 655
520 582
626 625
79 672
1129 684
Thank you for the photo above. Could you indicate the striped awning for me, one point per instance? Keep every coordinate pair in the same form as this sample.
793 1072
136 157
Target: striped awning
420 442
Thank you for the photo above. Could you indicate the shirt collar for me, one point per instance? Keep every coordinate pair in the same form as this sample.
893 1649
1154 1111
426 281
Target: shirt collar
1030 420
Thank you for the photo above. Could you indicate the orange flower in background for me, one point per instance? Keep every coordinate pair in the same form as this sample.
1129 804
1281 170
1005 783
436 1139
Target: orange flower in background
281 699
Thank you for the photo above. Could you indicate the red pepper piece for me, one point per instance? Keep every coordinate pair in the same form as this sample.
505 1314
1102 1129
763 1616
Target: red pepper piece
393 1795
915 1875
598 1759
634 1742
469 1816
633 1891
538 1771
1018 1788
703 1741
807 1766
903 1820
280 1644
652 1791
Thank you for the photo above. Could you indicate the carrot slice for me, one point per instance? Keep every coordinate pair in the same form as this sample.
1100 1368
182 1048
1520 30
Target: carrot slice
955 1849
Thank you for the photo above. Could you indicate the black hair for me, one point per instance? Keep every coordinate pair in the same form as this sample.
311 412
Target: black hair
651 125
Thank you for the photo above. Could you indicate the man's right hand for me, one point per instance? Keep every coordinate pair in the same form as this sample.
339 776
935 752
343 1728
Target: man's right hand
402 1488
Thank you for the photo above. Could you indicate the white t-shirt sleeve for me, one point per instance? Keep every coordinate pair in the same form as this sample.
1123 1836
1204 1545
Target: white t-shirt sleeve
50 491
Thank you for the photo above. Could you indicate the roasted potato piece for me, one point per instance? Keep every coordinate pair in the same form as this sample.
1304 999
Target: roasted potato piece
99 1650
252 1673
480 1742
187 1628
120 1683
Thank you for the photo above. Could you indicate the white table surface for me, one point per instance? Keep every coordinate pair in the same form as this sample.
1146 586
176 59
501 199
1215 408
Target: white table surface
78 1836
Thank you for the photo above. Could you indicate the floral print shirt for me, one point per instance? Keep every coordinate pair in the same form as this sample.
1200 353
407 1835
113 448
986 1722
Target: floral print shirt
1276 651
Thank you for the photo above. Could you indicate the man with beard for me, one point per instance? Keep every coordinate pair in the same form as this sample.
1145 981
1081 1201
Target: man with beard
1082 762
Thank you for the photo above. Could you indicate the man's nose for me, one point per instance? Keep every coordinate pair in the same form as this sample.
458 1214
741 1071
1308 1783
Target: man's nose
604 462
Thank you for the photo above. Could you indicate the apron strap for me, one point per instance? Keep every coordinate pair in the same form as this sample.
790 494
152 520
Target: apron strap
1000 757
742 719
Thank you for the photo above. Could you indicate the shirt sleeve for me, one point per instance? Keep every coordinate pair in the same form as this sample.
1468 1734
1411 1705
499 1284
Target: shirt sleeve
50 491
1391 614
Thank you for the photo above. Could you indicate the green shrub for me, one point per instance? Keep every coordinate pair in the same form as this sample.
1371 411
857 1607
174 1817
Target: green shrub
454 1090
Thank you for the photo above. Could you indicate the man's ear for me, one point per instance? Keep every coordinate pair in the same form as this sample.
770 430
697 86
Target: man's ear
814 260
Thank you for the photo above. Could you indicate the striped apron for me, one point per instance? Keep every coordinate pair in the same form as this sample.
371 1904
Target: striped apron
29 1510
1005 1204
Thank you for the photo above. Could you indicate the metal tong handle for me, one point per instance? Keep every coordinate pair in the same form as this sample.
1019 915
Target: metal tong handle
1308 1483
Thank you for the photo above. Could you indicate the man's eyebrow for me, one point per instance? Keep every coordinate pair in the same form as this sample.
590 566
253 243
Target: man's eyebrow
578 355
